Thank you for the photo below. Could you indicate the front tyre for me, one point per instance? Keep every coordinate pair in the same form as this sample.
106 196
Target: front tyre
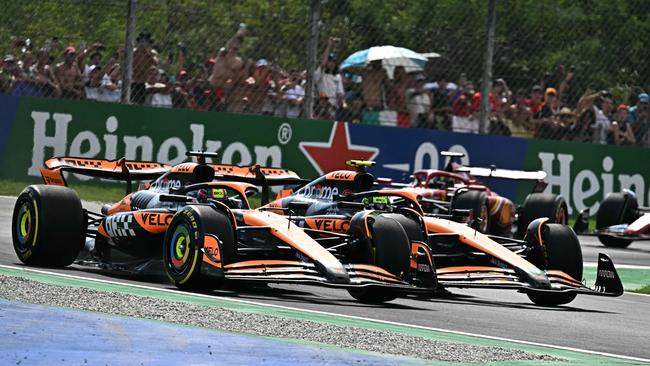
48 226
560 251
389 249
183 244
616 208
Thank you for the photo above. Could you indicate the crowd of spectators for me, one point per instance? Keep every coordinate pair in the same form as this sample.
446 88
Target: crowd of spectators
228 82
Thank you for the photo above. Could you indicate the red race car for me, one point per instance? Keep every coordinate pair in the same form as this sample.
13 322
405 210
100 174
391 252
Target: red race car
458 187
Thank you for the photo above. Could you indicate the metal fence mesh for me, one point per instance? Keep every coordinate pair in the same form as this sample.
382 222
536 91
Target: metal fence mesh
567 70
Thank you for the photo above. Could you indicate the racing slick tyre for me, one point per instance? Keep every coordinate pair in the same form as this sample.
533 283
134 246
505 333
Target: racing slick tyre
562 253
413 229
477 201
48 226
182 248
538 205
617 208
389 249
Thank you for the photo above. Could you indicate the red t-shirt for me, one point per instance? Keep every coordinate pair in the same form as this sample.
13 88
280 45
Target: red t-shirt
476 101
461 107
535 107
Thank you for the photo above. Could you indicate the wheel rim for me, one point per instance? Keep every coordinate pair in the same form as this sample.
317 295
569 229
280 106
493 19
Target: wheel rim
484 219
561 216
180 248
26 225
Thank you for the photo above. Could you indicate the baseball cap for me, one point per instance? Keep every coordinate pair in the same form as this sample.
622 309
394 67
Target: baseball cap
643 98
69 50
550 91
622 107
145 37
565 111
261 62
9 58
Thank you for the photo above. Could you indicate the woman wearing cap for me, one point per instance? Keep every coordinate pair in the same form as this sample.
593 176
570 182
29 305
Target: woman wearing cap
519 116
621 131
546 124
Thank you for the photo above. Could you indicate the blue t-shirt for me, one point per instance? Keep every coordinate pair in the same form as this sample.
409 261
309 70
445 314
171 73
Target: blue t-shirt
640 127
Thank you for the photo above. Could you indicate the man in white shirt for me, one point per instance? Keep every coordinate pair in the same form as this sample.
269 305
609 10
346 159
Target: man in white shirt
602 126
328 78
295 99
418 104
111 88
92 87
157 91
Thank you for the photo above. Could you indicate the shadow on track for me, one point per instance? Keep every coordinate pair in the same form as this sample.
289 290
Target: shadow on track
299 296
453 298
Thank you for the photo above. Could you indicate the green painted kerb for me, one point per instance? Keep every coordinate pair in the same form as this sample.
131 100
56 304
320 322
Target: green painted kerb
569 357
632 278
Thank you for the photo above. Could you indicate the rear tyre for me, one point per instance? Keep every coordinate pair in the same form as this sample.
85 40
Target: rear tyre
182 252
48 226
412 228
562 253
477 201
389 249
538 205
617 208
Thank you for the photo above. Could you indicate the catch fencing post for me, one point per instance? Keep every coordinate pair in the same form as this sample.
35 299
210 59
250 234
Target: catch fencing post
312 49
486 83
127 71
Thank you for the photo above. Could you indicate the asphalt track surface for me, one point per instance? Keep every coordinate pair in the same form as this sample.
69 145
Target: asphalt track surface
619 326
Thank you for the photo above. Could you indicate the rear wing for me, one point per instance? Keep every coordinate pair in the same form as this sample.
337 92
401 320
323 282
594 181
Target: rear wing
256 174
120 169
491 172
503 173
260 176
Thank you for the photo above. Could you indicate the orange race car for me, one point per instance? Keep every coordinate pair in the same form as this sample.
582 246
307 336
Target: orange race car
200 227
546 264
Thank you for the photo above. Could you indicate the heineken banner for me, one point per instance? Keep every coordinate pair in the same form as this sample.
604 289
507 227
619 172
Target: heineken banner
34 129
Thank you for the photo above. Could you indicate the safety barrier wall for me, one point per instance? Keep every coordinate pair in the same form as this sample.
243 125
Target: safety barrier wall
34 129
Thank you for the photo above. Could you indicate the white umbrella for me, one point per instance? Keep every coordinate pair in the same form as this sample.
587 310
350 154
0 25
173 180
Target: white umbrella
390 57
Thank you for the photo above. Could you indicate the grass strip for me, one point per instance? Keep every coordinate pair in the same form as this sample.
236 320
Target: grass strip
643 290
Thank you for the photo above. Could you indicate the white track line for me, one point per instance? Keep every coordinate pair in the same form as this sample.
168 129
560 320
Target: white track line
334 314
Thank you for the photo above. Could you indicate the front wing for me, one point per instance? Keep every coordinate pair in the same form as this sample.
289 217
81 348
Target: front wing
607 283
283 271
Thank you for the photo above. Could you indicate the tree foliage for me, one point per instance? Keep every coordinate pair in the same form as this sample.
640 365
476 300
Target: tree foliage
606 41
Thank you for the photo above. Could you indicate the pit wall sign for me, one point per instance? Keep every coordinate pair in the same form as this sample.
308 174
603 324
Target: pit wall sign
35 129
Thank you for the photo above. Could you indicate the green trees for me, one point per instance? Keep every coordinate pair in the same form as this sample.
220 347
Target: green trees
605 40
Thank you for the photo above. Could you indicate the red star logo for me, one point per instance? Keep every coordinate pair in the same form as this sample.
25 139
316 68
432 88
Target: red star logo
331 155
